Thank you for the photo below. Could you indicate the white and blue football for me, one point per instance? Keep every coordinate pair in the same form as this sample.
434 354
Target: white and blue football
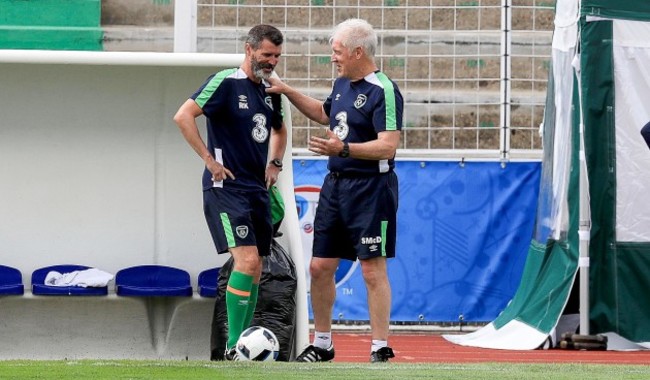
257 343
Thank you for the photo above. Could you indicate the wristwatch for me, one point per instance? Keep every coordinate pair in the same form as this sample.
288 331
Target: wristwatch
277 163
346 150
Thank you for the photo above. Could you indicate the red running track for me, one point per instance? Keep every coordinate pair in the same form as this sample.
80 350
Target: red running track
354 347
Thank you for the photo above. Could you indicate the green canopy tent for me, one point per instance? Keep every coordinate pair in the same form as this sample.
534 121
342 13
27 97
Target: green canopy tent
593 218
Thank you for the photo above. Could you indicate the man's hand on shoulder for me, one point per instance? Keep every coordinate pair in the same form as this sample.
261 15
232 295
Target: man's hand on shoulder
277 86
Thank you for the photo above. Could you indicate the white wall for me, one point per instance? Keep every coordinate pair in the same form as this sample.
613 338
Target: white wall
95 172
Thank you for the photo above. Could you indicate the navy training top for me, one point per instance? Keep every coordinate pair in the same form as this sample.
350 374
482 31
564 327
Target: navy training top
239 116
358 111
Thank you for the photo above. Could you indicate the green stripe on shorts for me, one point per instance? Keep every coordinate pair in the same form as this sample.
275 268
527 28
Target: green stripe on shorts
228 229
384 227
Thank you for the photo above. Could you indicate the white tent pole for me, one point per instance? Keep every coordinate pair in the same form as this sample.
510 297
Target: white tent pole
584 223
584 226
506 41
584 231
292 239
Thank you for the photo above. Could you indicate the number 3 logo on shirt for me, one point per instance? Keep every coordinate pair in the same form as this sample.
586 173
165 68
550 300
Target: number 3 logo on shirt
260 133
342 129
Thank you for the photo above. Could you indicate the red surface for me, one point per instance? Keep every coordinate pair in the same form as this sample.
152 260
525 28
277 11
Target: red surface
432 348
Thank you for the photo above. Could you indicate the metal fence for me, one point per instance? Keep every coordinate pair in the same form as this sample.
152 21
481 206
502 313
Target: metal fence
473 73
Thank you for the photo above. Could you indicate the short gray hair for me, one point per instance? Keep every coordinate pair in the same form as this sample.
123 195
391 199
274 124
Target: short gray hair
356 32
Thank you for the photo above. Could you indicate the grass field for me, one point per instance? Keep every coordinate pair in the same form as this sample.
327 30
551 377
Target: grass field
194 370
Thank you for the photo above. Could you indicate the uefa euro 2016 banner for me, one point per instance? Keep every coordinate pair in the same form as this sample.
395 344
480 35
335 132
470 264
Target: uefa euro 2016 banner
462 237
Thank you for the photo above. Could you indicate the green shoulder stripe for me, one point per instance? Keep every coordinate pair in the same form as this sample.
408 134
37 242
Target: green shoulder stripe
212 86
391 107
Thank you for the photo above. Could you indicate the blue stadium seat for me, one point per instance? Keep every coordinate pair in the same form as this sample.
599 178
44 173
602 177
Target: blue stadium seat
40 288
208 282
153 280
11 281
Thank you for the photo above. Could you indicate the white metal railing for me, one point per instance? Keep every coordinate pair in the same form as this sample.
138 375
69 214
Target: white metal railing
473 73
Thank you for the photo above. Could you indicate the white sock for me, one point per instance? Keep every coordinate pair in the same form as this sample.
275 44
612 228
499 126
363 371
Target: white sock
322 339
377 344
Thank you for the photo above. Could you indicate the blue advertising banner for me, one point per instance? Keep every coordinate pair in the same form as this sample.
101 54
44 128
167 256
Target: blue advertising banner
462 237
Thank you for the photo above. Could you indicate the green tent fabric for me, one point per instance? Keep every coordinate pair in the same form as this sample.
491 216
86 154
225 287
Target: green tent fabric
625 10
614 58
599 84
552 260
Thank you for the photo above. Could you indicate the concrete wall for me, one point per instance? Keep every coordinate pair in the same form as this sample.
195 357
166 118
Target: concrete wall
93 171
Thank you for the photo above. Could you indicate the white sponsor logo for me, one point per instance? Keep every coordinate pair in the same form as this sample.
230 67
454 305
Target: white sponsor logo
337 97
373 248
371 240
260 133
361 100
342 129
243 102
242 231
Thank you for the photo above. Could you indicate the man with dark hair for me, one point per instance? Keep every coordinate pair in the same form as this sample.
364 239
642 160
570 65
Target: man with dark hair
244 125
357 205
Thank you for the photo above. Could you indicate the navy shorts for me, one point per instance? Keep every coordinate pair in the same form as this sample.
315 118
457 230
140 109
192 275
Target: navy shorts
356 217
238 218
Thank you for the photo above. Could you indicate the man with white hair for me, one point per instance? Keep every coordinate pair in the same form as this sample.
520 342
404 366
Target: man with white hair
357 206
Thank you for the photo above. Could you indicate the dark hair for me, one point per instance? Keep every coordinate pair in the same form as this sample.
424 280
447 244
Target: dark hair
263 32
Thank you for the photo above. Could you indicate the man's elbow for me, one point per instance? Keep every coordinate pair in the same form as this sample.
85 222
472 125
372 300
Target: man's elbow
389 150
389 154
180 118
177 118
324 119
390 142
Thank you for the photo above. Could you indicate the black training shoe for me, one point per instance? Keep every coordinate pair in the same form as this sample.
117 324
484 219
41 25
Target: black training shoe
231 355
316 354
381 355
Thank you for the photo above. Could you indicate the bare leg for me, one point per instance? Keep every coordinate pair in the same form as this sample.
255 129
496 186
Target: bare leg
323 291
379 296
247 261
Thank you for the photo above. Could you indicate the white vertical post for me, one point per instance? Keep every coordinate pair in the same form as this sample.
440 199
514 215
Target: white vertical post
292 240
584 211
584 234
506 74
185 26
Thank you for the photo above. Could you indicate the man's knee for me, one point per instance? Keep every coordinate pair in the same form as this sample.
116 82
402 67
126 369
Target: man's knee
247 260
320 269
374 271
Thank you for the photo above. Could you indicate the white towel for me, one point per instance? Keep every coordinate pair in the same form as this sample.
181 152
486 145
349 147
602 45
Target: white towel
92 277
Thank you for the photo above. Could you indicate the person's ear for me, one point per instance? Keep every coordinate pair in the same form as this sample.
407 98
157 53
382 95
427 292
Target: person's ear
358 52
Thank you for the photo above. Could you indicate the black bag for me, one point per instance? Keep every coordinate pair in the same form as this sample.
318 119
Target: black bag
276 303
